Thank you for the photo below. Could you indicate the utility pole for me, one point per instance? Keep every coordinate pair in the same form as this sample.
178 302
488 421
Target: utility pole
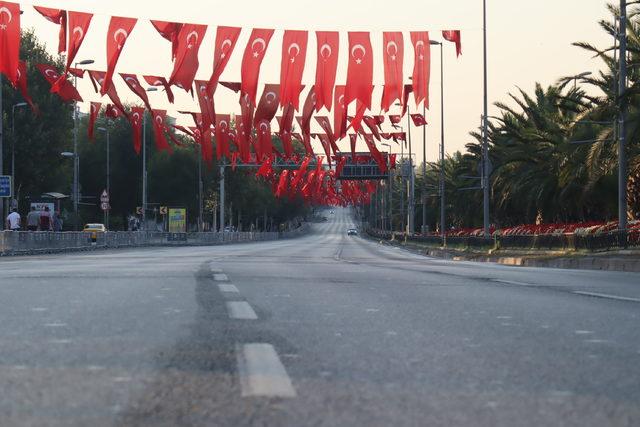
1 151
485 142
622 157
221 197
144 171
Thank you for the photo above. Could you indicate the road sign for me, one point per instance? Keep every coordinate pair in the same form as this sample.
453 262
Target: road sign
105 206
163 210
104 197
139 210
5 186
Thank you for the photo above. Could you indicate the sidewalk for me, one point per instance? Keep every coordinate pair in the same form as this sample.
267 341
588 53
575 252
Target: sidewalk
623 260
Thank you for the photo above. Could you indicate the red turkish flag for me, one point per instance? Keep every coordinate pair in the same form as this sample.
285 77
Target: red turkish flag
242 141
78 27
286 126
160 81
247 109
22 86
117 35
373 125
252 60
393 54
422 66
159 128
226 38
268 105
66 90
207 106
377 156
408 89
137 119
10 40
94 110
223 124
454 36
328 43
134 84
360 69
99 76
395 119
57 16
111 111
339 114
418 120
325 124
169 31
265 147
282 183
186 62
294 54
326 145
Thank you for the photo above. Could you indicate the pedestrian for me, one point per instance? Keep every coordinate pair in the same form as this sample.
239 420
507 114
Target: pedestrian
57 222
45 220
33 219
13 220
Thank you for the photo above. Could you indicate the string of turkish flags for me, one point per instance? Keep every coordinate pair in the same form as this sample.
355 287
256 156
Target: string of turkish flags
186 40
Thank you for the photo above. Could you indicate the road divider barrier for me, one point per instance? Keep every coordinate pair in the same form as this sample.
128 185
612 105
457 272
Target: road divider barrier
34 242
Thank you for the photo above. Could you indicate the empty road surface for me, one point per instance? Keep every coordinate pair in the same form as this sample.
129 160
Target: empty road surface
323 330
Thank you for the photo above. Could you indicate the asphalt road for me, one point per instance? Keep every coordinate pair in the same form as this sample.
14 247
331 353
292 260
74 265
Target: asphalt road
324 330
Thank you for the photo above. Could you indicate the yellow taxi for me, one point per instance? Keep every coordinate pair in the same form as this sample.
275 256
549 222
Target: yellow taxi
94 229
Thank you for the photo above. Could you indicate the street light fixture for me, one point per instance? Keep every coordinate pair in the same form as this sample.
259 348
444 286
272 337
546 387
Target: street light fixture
144 163
13 146
76 163
108 186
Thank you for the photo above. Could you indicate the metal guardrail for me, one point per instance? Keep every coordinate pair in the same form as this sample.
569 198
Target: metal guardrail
33 242
596 242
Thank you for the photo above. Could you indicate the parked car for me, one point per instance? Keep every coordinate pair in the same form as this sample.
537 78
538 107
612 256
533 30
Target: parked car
94 229
352 232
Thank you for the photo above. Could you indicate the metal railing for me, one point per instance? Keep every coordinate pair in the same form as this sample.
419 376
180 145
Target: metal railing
33 242
558 242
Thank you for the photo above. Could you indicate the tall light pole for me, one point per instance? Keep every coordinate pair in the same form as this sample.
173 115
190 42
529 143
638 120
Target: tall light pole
485 142
76 162
443 224
108 184
13 147
622 157
144 164
390 189
200 204
1 151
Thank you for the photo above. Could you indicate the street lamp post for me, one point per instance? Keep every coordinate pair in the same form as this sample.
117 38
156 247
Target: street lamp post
144 164
485 143
13 147
108 184
442 182
622 158
76 162
389 189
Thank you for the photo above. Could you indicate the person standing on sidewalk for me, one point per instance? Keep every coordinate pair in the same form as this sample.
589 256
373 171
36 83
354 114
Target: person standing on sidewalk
45 220
33 219
13 220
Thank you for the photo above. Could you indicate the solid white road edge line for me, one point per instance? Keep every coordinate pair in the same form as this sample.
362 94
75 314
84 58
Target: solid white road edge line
615 297
228 288
241 310
261 372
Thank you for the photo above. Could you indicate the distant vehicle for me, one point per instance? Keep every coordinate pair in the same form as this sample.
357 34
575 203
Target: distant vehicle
229 229
352 232
94 229
332 212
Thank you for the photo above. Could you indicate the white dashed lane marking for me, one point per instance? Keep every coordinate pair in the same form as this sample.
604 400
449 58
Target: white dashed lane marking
228 288
262 373
219 277
607 296
241 310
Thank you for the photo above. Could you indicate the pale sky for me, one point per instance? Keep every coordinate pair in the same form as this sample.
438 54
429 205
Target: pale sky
529 41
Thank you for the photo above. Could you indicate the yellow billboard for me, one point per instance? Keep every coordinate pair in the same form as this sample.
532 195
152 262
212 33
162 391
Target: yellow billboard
177 220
